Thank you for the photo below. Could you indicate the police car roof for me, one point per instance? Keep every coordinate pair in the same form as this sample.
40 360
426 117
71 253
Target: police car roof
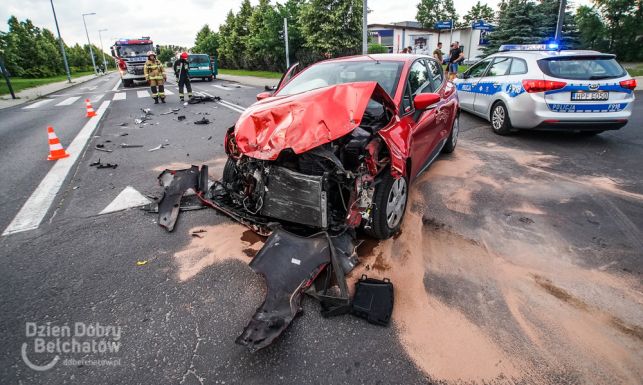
545 53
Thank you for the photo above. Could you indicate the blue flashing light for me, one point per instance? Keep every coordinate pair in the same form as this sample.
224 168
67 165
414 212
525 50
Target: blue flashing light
529 47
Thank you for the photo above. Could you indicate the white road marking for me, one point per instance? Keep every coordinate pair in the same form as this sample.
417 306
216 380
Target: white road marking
237 85
35 208
168 92
97 98
68 101
231 106
234 105
222 87
128 198
37 104
119 96
143 94
118 83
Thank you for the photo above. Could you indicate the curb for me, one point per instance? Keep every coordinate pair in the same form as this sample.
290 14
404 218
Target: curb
31 94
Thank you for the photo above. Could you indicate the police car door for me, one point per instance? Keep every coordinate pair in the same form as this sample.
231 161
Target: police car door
493 82
468 82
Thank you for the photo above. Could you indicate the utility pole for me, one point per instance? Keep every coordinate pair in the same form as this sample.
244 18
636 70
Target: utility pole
364 27
5 73
286 40
561 20
60 41
101 48
91 51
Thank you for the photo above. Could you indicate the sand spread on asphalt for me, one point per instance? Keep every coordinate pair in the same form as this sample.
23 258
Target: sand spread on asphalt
484 296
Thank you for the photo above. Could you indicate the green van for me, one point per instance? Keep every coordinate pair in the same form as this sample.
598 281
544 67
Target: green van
201 67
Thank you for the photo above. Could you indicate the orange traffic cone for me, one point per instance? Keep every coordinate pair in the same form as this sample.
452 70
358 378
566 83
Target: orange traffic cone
56 150
90 109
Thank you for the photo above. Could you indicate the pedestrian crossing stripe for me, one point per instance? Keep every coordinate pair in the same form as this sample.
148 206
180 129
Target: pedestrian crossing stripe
119 96
222 87
168 92
143 94
37 104
68 101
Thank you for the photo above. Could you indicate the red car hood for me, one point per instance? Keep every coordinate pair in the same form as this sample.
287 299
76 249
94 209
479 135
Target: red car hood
304 121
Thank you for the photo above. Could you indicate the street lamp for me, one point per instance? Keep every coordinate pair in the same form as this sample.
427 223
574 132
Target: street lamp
101 48
364 27
60 41
91 51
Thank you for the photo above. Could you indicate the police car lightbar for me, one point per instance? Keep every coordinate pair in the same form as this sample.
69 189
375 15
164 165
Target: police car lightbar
528 47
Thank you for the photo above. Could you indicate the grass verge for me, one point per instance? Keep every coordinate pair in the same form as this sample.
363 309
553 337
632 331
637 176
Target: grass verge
259 74
20 84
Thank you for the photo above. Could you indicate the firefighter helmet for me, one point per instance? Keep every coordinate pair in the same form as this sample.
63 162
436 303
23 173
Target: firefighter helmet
184 55
150 53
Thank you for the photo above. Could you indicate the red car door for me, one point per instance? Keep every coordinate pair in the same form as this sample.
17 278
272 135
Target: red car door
424 130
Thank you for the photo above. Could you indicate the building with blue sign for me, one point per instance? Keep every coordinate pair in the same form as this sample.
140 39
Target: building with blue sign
397 36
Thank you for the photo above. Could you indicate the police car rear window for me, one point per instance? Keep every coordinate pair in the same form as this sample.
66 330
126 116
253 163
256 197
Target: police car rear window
582 68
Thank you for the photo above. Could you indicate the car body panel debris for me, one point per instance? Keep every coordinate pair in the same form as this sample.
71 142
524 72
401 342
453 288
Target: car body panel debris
202 121
125 145
373 300
202 99
175 184
289 264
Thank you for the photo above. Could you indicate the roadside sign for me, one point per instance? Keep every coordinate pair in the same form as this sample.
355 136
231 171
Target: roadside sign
482 25
448 24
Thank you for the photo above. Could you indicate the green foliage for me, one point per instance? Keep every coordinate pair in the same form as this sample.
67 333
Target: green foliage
168 52
528 22
207 41
430 12
623 22
377 48
332 26
31 52
479 12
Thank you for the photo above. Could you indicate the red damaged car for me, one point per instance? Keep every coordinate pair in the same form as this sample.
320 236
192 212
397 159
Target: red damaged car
337 144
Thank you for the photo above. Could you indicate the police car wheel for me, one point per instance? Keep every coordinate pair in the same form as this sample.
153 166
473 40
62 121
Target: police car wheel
449 146
500 119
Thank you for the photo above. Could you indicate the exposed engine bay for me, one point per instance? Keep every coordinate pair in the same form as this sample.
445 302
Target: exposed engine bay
329 187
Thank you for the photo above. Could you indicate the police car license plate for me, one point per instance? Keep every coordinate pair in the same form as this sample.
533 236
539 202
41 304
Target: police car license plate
591 95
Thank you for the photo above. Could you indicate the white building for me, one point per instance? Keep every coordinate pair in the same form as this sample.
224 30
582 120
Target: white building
397 36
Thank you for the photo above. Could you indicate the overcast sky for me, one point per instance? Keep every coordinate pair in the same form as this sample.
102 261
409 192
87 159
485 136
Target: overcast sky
167 22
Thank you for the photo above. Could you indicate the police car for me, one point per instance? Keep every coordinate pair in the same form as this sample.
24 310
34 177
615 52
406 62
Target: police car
541 87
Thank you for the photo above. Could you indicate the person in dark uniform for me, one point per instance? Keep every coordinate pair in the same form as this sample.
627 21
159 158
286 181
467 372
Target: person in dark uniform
181 67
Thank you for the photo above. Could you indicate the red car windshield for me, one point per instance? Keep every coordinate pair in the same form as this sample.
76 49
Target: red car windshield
386 73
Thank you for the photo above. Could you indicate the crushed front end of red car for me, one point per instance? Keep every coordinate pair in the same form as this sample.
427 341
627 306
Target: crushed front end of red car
308 161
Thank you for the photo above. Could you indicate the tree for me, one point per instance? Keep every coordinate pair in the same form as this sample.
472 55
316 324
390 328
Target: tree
430 12
591 28
516 24
332 27
479 12
547 16
207 41
623 23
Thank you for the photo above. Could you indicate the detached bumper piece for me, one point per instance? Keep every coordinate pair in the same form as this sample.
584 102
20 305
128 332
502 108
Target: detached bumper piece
289 264
176 183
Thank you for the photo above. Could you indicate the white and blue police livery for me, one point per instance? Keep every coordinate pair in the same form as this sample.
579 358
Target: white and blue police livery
540 87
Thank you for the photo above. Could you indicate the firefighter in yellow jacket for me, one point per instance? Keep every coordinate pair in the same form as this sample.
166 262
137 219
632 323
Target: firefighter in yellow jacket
155 75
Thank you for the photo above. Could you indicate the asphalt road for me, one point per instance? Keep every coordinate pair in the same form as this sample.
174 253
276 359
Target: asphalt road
181 300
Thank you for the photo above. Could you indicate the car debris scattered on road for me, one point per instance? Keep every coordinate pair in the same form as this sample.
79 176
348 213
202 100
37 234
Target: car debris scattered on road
99 164
202 121
160 146
202 99
126 145
101 147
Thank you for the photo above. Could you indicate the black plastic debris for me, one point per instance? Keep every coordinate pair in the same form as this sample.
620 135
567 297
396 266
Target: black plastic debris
180 117
126 145
101 147
124 124
176 183
373 300
202 99
99 164
202 121
94 163
289 264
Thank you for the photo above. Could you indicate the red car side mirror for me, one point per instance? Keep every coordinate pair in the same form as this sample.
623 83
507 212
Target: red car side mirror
263 95
424 101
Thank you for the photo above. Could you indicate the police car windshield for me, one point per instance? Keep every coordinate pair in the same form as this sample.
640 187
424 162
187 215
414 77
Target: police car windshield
135 49
333 73
582 68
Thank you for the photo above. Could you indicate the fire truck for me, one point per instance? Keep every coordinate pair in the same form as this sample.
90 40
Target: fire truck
130 56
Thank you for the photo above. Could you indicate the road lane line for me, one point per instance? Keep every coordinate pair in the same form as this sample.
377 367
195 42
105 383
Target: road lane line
231 106
36 207
37 104
168 92
222 87
119 96
234 105
68 101
97 98
143 94
118 83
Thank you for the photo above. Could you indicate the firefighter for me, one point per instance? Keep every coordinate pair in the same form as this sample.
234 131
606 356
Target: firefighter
155 75
181 71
